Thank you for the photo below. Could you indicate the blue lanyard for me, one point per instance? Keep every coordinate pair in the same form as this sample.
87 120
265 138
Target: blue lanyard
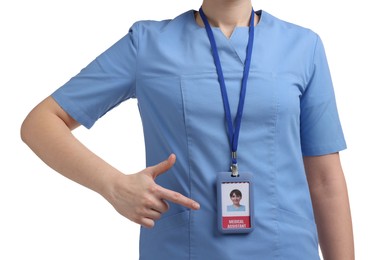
233 130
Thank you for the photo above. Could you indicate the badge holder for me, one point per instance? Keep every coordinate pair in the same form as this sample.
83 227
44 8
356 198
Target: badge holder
235 202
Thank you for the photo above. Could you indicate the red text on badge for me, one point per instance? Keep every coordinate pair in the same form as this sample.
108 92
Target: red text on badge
236 222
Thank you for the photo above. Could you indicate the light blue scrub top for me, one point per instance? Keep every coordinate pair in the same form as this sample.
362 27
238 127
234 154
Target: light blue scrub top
289 112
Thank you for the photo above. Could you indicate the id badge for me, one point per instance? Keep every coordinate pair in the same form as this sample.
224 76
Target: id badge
235 203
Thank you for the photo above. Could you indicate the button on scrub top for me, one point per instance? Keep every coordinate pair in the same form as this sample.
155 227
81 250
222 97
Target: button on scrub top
289 112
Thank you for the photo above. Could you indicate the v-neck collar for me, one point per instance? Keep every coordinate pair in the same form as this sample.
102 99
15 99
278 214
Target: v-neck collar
238 40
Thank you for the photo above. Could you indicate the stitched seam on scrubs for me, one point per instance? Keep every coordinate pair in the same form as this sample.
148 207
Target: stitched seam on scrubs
311 65
233 49
188 162
137 56
275 172
338 145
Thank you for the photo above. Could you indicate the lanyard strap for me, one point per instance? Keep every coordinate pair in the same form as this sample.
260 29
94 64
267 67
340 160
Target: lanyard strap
233 132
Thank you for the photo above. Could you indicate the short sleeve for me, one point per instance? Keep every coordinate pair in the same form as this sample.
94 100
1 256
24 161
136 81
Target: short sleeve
321 131
103 84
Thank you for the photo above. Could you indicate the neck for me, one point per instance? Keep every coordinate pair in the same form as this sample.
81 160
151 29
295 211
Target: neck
227 14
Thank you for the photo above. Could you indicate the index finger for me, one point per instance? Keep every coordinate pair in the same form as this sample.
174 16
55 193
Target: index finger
177 198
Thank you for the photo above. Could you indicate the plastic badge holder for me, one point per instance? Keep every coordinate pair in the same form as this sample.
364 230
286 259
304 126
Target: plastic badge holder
235 215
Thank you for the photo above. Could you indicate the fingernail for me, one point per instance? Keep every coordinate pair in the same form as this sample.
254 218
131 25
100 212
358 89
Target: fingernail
196 205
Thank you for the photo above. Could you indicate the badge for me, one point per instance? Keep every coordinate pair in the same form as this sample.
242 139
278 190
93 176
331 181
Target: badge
235 203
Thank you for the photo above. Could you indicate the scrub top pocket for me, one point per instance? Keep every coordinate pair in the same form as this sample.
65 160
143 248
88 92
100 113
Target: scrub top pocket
298 237
171 228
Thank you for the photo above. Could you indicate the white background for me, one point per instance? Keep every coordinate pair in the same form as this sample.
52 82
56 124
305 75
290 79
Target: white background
43 43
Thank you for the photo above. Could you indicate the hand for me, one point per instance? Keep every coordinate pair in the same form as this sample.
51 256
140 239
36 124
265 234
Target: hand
140 199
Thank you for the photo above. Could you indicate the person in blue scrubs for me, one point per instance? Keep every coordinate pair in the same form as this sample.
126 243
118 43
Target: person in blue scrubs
290 135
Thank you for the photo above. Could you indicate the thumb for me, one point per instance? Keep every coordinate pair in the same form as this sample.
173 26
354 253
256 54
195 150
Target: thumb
163 166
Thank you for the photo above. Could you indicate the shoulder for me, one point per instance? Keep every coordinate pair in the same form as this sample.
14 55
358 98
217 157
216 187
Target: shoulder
287 32
292 45
146 27
285 26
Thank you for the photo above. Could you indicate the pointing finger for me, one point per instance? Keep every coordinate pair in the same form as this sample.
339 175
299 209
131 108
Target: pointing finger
177 198
163 166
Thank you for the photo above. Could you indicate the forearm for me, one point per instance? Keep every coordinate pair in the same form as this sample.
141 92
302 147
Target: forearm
333 218
47 131
51 139
332 211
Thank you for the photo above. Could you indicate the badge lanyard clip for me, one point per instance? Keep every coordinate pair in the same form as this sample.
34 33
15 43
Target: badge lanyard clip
234 166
